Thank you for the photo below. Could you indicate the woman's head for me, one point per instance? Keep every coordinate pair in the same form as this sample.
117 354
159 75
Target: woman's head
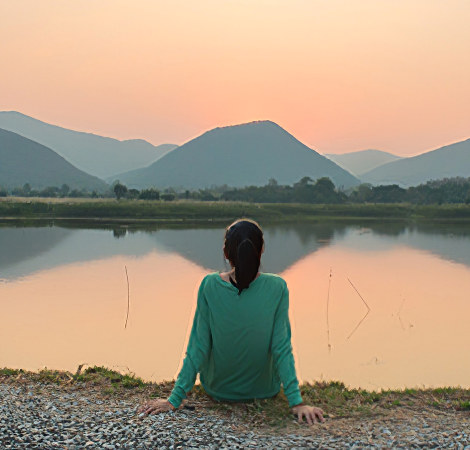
243 246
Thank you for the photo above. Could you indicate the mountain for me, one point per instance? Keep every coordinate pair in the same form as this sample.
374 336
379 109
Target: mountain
445 162
97 155
25 161
239 155
362 161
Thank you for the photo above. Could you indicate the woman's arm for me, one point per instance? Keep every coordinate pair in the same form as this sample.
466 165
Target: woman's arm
281 349
199 346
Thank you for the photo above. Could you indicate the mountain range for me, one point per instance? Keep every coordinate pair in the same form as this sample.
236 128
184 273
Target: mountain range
239 155
362 161
445 162
96 155
25 161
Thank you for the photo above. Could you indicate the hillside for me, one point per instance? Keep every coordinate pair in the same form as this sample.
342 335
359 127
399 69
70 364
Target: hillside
445 162
96 155
240 155
362 161
25 161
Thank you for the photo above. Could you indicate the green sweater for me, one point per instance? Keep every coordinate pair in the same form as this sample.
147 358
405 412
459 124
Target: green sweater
240 344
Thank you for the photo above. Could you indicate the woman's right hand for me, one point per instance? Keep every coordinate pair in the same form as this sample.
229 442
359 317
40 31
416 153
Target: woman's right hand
156 406
312 413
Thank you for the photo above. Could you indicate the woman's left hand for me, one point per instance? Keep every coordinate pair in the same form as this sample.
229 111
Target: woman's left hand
156 406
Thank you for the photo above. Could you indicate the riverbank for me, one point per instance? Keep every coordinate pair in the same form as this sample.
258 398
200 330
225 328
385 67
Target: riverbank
96 408
181 211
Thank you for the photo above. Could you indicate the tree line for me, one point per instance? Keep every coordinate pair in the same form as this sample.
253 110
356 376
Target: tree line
306 190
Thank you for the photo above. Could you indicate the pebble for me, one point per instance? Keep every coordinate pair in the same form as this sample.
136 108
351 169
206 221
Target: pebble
57 419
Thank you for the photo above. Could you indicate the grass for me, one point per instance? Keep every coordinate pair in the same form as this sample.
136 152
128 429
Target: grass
336 399
98 374
130 211
10 372
464 405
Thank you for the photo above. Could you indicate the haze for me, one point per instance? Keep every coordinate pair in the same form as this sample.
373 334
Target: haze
340 75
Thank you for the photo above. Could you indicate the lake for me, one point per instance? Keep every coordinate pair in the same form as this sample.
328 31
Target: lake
380 305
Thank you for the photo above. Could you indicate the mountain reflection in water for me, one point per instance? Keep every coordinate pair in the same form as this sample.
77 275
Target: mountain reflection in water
25 250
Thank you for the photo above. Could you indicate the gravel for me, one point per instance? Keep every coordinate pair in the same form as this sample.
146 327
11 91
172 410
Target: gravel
33 416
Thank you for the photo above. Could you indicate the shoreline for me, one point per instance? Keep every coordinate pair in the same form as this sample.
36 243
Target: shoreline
96 408
200 212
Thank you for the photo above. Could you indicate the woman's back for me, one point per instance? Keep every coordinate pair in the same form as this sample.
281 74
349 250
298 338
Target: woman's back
240 344
240 362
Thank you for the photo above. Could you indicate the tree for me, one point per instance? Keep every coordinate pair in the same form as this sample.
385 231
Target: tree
26 189
324 192
76 193
149 194
49 191
119 190
361 193
64 190
325 185
304 181
391 193
168 196
133 193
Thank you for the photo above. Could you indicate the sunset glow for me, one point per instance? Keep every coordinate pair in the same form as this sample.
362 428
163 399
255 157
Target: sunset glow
340 75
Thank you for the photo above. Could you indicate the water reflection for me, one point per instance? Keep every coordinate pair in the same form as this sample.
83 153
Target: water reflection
25 250
397 309
76 314
450 242
31 249
415 333
21 244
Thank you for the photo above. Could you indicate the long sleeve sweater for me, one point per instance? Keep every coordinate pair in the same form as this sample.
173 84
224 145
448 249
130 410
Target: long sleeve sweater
240 344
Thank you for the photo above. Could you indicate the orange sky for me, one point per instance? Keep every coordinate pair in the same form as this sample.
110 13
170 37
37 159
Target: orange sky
341 75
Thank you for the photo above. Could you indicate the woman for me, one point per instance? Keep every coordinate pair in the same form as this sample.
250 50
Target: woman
240 341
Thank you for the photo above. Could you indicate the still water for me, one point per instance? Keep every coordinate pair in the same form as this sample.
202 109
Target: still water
375 306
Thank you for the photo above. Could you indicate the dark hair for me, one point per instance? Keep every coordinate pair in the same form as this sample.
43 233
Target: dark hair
243 245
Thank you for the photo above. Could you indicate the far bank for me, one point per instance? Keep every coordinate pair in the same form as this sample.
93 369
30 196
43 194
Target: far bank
135 211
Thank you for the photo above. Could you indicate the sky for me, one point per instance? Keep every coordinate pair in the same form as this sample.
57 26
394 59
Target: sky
340 75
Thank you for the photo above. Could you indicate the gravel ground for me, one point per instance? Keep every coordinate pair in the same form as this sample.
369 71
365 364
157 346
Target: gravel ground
49 416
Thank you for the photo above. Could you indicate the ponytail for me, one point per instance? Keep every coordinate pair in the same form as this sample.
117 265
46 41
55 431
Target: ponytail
247 264
243 247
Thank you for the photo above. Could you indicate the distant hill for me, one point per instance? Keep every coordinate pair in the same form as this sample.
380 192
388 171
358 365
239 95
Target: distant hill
240 155
362 161
25 161
97 155
445 162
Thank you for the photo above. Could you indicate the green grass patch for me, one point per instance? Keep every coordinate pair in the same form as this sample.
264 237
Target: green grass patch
99 374
5 372
464 405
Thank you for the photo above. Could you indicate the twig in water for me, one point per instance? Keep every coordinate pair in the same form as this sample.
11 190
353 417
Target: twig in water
367 306
128 297
358 325
327 312
366 314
